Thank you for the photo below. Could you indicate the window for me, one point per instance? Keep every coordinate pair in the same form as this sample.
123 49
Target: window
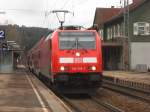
108 33
121 29
141 28
114 30
111 32
101 33
77 40
118 27
67 42
86 42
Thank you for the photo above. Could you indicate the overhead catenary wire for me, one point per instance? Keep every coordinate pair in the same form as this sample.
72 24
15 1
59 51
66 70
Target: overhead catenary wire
23 10
65 3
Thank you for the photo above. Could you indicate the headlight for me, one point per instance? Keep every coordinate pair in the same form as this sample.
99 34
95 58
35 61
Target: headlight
62 68
93 68
78 54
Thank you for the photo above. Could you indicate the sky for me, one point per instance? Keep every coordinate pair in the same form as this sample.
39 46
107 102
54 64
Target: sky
36 13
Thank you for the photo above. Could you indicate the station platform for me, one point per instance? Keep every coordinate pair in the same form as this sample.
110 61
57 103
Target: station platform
23 92
129 76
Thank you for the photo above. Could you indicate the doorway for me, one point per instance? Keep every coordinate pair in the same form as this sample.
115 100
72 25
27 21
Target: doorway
112 57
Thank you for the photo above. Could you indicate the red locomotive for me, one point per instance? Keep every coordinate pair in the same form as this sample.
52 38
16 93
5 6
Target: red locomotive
69 59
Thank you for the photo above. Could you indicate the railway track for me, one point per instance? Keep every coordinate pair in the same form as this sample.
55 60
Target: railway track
107 105
74 107
101 106
137 93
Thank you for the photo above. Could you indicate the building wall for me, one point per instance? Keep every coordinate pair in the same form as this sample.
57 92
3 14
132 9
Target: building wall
140 14
140 54
140 44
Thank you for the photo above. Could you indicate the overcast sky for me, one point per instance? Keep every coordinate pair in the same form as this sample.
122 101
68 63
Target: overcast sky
32 12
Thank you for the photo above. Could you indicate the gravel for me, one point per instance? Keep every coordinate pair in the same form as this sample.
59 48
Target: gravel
126 103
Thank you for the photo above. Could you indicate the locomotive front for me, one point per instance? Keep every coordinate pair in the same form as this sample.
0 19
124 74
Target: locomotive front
77 58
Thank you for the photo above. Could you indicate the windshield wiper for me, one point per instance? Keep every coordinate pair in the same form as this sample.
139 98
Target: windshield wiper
71 48
73 45
82 47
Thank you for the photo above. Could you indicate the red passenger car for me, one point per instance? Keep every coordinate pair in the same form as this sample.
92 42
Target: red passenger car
69 59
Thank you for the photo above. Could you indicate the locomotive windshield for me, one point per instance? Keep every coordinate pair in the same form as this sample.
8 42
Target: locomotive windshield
77 40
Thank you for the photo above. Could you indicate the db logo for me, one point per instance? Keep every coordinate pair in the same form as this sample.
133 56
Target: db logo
77 60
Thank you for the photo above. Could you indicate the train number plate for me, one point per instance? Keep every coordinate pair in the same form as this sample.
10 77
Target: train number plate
78 60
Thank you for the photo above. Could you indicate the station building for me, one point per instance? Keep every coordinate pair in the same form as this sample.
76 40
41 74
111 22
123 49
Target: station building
10 50
10 56
126 36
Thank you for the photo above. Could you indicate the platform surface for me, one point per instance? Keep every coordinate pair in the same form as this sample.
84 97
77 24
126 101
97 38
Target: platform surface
131 76
22 92
17 94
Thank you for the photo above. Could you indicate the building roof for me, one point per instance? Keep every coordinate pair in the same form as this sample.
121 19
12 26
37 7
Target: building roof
104 15
132 7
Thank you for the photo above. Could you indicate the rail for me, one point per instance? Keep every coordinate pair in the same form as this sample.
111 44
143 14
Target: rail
108 105
127 89
143 87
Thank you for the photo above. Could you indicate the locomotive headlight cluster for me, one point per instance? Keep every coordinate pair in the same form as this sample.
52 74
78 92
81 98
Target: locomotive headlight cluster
62 68
77 54
93 68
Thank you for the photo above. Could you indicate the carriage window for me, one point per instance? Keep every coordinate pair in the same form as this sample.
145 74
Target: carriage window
77 40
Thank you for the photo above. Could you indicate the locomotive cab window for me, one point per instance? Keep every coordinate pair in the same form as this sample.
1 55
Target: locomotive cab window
77 40
67 43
